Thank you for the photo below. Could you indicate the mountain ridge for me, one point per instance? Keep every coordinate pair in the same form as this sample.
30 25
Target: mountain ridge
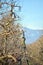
32 35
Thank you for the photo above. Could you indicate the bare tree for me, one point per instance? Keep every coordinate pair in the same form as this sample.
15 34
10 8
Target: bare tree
12 39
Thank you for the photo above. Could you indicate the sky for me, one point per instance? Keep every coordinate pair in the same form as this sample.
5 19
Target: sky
32 14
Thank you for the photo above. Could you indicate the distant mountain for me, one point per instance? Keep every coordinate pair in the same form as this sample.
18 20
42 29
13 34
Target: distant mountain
32 35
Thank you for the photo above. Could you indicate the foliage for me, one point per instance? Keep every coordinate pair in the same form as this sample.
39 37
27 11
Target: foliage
35 52
11 40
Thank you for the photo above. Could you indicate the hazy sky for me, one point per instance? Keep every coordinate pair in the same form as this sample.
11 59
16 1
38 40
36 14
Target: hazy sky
32 14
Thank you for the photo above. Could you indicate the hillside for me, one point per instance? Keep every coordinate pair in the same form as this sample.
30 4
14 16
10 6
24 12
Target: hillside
35 52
